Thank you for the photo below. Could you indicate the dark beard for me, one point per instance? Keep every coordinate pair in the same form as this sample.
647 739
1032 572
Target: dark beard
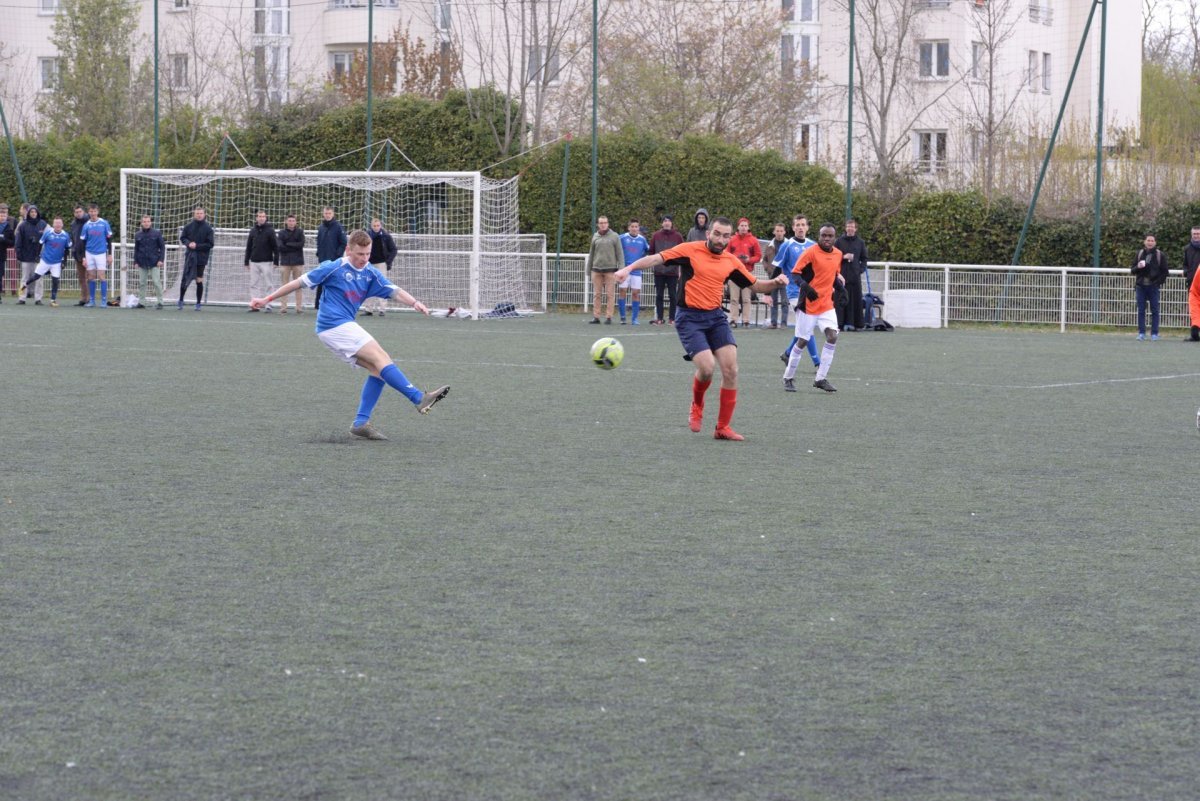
716 250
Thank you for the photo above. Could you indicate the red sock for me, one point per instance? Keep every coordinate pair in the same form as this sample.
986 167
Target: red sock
698 389
728 402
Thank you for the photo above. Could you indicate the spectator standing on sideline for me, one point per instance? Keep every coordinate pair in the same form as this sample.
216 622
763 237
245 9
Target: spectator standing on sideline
149 254
331 244
28 245
96 236
198 240
702 326
291 260
777 300
351 280
854 264
605 257
699 230
383 253
633 247
817 273
1150 267
666 275
56 244
262 257
8 237
77 252
1191 260
745 248
785 259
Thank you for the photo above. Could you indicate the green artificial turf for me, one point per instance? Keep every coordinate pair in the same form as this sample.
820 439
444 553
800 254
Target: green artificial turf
969 574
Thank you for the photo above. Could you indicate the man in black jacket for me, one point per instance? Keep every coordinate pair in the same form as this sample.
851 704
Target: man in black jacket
262 257
198 240
331 244
149 252
854 264
8 235
77 252
1150 267
28 244
291 260
383 253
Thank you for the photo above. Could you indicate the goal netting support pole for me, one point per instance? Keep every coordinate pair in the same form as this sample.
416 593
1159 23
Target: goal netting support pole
456 233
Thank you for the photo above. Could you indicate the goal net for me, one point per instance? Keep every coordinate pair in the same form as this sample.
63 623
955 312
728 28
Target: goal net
455 232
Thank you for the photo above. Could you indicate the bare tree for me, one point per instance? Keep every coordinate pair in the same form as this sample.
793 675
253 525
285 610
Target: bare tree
1159 31
514 55
890 95
681 67
991 94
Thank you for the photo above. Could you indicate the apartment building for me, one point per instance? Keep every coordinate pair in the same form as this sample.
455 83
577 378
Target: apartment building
959 63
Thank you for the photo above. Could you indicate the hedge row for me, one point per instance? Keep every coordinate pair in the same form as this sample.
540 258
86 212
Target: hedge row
640 176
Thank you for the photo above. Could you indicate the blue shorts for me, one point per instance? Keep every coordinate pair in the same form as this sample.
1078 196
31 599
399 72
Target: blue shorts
702 330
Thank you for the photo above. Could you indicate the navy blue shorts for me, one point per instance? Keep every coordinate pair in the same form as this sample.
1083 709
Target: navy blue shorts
703 330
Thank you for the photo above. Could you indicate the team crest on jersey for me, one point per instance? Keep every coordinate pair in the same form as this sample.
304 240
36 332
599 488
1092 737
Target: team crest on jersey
349 276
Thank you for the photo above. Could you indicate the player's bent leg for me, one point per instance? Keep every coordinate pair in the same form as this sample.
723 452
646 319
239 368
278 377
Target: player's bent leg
726 358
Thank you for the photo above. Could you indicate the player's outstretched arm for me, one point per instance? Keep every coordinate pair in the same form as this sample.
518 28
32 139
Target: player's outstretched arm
765 286
403 296
290 286
644 263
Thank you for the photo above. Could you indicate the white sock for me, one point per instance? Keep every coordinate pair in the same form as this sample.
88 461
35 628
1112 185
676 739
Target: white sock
826 360
798 353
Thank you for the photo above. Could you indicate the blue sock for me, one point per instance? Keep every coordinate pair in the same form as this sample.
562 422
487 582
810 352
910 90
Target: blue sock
104 292
371 391
92 291
621 307
812 350
637 307
397 381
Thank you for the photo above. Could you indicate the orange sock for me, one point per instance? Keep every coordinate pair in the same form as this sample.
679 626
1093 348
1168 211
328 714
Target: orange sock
725 413
698 389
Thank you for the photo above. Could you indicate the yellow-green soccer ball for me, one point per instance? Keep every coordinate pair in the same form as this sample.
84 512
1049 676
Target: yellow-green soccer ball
607 353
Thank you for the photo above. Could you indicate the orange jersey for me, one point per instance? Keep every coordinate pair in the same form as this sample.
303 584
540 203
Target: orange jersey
820 270
1194 299
703 274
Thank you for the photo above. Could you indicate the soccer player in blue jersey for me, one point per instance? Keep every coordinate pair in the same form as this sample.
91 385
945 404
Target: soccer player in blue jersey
347 282
55 244
95 235
785 259
634 245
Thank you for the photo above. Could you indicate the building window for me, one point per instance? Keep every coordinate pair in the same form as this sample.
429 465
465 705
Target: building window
808 52
441 16
1046 73
1032 77
271 17
340 62
935 59
931 151
363 3
540 59
789 10
179 5
806 149
808 10
787 56
978 56
177 70
48 67
47 7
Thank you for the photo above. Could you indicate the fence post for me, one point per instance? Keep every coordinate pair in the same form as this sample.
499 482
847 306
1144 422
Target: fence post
1062 303
946 297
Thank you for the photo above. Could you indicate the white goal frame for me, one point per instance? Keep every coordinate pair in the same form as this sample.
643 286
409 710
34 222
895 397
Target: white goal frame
483 238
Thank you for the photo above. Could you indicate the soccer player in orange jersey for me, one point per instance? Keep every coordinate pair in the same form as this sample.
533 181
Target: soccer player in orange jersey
819 269
1194 306
701 324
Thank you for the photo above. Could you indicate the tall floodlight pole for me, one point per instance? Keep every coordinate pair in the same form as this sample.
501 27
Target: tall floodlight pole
370 71
850 122
595 98
155 4
1099 136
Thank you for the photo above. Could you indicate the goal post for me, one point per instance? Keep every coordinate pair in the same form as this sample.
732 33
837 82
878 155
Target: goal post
456 233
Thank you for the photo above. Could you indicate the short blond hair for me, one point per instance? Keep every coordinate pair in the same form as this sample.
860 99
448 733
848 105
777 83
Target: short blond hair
359 238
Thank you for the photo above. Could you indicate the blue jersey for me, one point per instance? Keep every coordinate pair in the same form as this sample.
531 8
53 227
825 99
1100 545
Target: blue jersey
786 258
54 246
634 247
95 235
345 289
